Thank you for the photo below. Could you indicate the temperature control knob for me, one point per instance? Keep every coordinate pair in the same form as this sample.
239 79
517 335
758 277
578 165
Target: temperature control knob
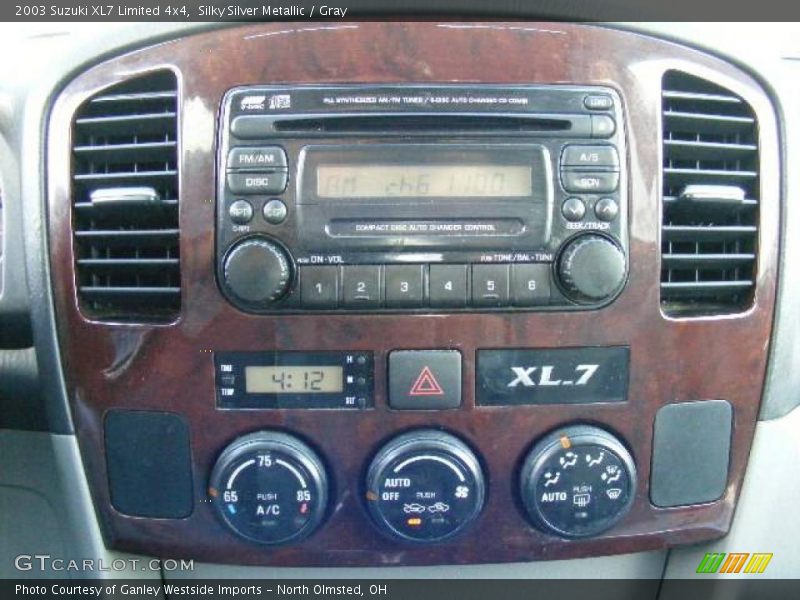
591 268
424 486
270 488
578 482
257 272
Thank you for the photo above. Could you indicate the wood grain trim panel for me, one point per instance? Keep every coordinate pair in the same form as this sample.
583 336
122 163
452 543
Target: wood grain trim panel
168 367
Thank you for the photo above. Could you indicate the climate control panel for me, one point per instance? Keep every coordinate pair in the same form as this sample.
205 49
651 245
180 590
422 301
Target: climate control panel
425 486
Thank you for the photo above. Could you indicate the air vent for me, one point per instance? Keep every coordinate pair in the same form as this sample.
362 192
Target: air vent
125 200
710 198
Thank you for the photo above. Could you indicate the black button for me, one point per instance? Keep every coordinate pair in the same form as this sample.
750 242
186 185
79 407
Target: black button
489 285
404 285
581 181
319 287
261 157
240 212
361 286
603 126
598 102
589 156
530 284
424 379
573 209
606 209
258 183
448 285
274 211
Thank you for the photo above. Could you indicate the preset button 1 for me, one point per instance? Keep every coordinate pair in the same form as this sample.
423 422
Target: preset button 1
319 286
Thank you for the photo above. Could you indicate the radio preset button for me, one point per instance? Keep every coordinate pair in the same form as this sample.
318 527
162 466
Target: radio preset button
589 156
404 286
448 286
530 284
361 286
260 158
240 212
598 102
490 285
319 287
573 209
258 183
581 181
603 126
274 211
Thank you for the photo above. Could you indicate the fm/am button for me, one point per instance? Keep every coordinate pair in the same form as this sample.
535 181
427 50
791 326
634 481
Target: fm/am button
260 157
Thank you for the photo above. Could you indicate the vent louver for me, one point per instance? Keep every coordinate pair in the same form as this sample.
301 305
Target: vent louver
125 200
710 198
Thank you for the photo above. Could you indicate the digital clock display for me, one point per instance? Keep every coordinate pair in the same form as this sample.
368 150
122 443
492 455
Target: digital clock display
294 379
423 181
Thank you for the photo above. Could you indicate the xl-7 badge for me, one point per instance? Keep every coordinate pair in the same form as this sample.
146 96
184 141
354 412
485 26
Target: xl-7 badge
552 376
525 376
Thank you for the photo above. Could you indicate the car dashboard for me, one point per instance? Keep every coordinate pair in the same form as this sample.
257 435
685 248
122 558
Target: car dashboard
406 296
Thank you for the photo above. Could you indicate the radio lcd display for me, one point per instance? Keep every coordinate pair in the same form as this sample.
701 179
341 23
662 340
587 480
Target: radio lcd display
421 181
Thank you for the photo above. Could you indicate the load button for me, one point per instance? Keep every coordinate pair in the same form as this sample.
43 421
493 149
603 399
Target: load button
424 379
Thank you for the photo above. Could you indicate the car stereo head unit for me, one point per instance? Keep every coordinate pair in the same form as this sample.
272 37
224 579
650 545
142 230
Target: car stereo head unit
444 197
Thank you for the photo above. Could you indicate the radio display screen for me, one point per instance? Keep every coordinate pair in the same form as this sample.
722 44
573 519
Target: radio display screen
422 181
294 379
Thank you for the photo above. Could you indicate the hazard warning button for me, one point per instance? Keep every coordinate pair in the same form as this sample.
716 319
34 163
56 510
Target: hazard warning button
424 379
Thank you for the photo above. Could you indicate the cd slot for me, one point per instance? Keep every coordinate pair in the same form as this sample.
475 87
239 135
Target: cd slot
524 124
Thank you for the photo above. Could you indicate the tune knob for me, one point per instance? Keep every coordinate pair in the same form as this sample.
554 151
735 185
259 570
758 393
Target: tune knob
257 272
591 268
270 488
425 486
578 482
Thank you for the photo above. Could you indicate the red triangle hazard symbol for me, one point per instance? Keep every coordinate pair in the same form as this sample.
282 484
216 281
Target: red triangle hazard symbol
426 385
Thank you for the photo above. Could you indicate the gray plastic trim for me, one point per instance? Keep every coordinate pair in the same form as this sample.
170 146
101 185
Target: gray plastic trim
46 470
766 518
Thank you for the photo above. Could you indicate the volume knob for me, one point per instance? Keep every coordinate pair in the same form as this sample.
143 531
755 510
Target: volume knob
591 268
257 272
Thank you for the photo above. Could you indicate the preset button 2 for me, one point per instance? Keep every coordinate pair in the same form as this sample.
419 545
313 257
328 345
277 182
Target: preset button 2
361 286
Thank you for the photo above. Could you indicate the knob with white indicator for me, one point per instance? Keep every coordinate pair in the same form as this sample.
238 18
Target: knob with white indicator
591 268
425 486
270 488
257 272
578 482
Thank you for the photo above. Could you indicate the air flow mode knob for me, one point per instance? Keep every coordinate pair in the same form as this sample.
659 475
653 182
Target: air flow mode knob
257 272
591 268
